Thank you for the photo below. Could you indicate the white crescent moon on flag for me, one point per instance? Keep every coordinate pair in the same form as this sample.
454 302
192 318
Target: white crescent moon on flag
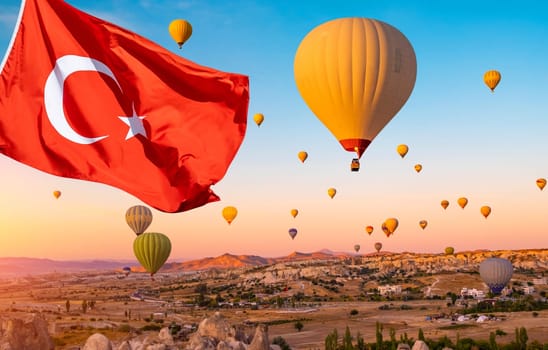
54 88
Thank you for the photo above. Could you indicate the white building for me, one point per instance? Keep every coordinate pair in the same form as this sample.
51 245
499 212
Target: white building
528 290
389 290
473 292
539 281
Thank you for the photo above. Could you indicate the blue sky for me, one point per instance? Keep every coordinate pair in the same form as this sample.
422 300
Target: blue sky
489 147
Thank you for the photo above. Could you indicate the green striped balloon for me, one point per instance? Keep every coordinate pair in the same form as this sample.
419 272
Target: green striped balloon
138 218
152 250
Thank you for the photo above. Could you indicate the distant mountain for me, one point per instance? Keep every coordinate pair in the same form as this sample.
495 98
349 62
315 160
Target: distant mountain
32 266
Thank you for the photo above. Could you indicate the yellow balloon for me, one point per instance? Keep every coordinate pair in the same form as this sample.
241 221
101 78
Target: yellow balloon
57 194
423 224
485 211
369 229
180 30
302 156
391 224
294 212
355 74
229 213
444 204
449 250
385 229
402 150
331 192
258 119
541 183
462 202
492 79
418 168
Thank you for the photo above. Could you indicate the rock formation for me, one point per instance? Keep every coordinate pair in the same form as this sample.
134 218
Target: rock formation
30 333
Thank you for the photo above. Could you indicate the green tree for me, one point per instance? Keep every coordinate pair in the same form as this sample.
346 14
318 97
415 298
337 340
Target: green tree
378 335
67 305
281 343
298 326
360 343
331 340
347 340
493 341
421 334
393 341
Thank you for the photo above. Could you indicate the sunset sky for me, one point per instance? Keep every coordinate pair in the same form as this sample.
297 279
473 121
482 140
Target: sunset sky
488 147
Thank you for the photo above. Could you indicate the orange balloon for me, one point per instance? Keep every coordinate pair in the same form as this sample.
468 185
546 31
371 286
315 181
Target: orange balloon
423 224
418 168
541 183
369 230
444 204
462 202
57 194
485 211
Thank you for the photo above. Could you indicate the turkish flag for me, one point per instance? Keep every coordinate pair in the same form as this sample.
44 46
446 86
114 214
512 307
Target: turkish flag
86 99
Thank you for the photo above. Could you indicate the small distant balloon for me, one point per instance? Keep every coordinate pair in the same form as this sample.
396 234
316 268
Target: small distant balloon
138 218
423 224
294 212
57 194
402 150
485 211
462 201
230 213
492 79
258 118
292 232
418 168
331 192
541 183
369 229
444 204
449 251
378 246
180 30
357 247
302 156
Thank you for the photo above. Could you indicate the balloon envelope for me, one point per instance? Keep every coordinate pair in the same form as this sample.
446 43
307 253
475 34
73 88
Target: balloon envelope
418 168
355 74
491 79
496 273
369 229
230 213
331 192
294 212
292 232
402 150
423 224
541 183
180 30
391 224
485 211
152 250
462 201
444 204
302 156
57 194
258 119
357 248
378 246
138 218
449 250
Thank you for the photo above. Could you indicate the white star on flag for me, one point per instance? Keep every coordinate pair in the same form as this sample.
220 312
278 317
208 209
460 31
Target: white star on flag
135 123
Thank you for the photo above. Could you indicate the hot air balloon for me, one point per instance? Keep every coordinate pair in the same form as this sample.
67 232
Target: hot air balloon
378 246
541 183
496 273
423 224
402 150
485 211
126 270
258 118
391 224
294 212
302 156
357 247
292 232
57 194
331 192
180 30
369 229
449 250
138 218
418 168
385 229
491 79
152 250
462 201
229 213
444 204
355 74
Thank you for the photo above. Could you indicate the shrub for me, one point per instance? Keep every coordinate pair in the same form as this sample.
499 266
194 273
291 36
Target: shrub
353 312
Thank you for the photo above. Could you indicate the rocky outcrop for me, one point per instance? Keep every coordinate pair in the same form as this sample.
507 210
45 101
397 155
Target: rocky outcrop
97 341
30 333
420 345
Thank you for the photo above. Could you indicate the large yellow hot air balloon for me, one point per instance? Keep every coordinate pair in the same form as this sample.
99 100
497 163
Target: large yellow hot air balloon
57 194
258 119
355 74
180 30
462 201
485 211
369 229
418 168
138 218
302 156
541 183
294 212
331 192
444 204
402 150
423 224
229 213
492 79
391 224
152 250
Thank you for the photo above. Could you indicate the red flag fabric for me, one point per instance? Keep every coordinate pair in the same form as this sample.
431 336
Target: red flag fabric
86 99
